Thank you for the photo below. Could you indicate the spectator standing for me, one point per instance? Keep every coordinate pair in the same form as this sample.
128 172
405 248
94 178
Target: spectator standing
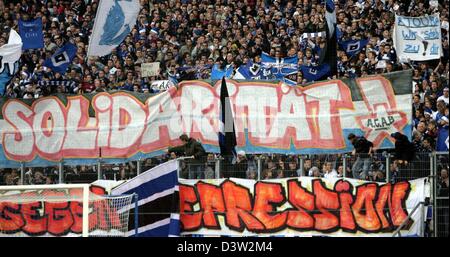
363 151
194 149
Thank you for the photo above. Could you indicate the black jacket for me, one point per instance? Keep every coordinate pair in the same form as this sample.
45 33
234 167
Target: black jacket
404 149
362 146
191 148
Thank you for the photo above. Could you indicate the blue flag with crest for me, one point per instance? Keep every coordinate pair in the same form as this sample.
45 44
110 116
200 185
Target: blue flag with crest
61 59
249 71
314 73
279 68
353 47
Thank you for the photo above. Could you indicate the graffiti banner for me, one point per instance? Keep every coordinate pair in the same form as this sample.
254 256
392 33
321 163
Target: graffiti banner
303 206
418 38
268 117
28 216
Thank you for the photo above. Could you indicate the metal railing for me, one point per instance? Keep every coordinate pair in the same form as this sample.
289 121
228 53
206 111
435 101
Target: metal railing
381 167
405 222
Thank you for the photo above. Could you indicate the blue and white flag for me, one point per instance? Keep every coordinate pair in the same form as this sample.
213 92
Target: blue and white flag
114 21
330 16
9 59
314 73
279 68
31 33
227 133
353 47
217 73
158 201
249 71
173 78
61 59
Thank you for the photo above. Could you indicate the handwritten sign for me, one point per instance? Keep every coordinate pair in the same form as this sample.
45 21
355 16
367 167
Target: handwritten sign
418 38
150 69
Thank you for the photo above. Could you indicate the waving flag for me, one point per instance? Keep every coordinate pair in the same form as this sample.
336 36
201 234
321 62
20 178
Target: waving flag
227 135
330 57
9 59
113 23
314 73
353 47
312 35
217 73
61 59
158 201
31 33
249 71
280 68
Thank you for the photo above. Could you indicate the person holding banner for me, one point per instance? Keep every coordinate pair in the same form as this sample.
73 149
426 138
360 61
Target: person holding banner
363 151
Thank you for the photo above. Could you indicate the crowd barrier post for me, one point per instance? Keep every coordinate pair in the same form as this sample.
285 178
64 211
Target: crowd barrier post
388 167
434 192
217 167
344 166
259 167
60 172
302 163
99 169
136 214
138 167
22 173
179 167
422 220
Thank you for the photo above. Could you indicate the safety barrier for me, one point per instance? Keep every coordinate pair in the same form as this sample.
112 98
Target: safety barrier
379 167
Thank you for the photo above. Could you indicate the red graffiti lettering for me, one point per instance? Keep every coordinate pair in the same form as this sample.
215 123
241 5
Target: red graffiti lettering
59 217
397 208
10 217
365 215
211 203
35 224
302 200
382 204
347 221
372 208
190 220
238 204
268 197
325 200
54 214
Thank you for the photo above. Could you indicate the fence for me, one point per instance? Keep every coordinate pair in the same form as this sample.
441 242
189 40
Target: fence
379 167
440 166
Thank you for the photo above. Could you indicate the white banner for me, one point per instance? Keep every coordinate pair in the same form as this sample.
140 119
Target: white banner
149 69
304 206
113 22
417 38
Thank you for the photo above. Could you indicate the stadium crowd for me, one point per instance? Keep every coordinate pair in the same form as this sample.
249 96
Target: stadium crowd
188 37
